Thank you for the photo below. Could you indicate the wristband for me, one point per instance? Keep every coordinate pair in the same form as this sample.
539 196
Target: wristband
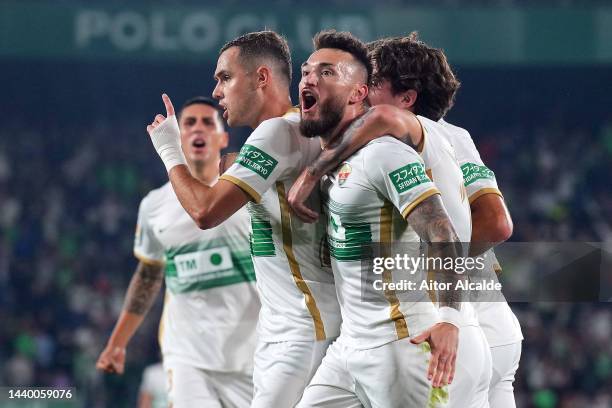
166 139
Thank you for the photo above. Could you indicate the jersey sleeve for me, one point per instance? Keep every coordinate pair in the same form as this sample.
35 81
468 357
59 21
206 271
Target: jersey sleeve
147 247
477 177
265 157
398 173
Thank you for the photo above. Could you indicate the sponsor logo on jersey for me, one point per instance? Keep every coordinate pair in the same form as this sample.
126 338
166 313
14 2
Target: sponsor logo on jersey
344 173
408 177
473 172
203 262
256 160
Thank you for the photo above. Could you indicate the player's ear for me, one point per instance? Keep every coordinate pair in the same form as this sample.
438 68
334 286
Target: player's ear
359 95
263 76
408 99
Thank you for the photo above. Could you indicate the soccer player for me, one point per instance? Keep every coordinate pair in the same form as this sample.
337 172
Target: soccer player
300 314
491 225
208 327
379 359
417 77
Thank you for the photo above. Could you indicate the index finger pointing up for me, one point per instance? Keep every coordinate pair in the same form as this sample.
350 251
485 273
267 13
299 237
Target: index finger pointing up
168 104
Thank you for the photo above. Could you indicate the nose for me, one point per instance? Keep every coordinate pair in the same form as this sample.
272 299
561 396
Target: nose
310 79
217 94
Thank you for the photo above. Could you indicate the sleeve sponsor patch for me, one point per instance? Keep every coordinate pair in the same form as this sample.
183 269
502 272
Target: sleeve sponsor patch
256 160
409 176
473 172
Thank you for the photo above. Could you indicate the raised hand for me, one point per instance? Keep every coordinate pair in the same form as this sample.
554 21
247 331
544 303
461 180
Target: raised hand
166 136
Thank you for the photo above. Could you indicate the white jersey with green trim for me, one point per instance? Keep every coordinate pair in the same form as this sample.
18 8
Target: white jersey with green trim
211 305
442 167
500 325
296 290
366 200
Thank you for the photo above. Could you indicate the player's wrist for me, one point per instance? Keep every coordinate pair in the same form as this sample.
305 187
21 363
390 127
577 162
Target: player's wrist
450 315
166 139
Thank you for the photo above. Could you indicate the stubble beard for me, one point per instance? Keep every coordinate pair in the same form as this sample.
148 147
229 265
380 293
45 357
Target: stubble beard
330 115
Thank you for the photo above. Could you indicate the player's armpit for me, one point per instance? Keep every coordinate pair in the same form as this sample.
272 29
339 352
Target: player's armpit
491 223
207 206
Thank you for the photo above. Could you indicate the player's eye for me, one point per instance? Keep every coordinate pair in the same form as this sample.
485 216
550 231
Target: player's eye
327 72
304 73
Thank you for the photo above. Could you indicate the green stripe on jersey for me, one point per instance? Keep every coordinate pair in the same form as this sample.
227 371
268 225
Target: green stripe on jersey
260 238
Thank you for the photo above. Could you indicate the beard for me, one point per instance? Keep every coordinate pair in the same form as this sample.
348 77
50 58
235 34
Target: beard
330 114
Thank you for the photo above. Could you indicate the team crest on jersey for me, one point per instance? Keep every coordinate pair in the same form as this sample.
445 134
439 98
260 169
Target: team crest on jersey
344 172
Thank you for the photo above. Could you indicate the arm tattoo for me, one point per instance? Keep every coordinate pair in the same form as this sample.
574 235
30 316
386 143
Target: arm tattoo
143 289
430 220
342 148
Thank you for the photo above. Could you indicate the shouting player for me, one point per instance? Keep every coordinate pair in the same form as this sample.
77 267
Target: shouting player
207 332
380 358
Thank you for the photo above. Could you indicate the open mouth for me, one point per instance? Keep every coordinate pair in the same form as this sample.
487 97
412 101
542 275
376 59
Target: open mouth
199 143
309 100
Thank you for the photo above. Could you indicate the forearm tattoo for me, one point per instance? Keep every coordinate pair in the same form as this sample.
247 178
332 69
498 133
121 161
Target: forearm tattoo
342 148
143 289
431 223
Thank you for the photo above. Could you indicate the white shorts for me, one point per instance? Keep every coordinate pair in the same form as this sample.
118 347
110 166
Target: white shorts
283 370
470 387
392 375
189 387
505 363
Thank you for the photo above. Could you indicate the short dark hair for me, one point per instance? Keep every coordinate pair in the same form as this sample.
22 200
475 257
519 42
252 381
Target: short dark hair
263 44
408 63
347 42
204 100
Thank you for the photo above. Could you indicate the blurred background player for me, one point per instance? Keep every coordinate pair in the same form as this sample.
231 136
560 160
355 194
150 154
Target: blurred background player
207 330
153 387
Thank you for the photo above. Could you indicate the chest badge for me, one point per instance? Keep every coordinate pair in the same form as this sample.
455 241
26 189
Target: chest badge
344 172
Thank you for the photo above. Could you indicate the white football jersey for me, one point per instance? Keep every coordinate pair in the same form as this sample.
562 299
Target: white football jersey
211 305
443 168
366 200
500 325
296 290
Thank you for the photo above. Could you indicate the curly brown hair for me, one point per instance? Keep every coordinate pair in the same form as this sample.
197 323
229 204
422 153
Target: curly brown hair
408 63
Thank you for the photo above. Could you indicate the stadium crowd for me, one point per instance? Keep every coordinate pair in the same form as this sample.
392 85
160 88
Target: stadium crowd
68 210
